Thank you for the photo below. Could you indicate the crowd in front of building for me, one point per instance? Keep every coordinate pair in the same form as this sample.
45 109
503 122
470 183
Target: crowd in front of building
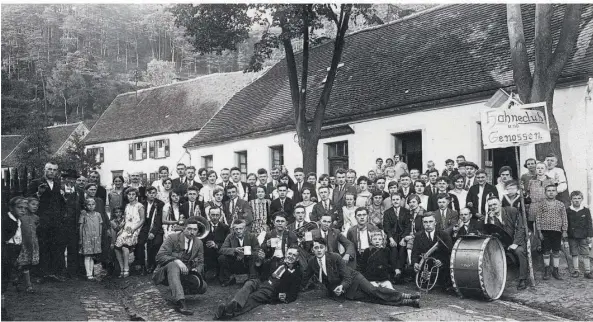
358 234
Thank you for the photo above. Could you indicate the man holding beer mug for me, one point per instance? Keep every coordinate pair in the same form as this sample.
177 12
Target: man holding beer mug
239 254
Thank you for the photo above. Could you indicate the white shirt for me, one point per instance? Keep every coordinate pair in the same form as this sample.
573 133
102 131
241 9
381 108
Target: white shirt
323 234
240 241
364 239
240 191
322 267
148 207
51 184
557 174
17 239
189 243
480 196
461 196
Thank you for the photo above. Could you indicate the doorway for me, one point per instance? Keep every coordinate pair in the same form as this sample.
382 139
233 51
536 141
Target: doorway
494 159
337 156
409 144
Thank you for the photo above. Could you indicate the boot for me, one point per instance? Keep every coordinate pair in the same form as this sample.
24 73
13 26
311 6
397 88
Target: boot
408 296
522 285
588 275
413 303
575 274
556 274
220 312
547 272
182 308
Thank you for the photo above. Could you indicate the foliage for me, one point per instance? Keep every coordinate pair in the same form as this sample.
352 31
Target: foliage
35 150
76 156
160 72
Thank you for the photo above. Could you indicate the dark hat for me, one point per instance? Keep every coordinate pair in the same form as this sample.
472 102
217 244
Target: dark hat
194 283
378 193
70 173
462 164
471 164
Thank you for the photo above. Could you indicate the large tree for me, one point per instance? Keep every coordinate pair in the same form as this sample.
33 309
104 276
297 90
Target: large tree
539 85
215 28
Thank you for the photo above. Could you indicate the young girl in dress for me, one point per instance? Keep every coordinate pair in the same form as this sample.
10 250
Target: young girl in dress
29 255
171 215
363 198
127 238
261 211
90 236
307 203
349 212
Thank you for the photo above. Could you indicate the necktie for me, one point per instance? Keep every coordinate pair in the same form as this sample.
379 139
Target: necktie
430 237
282 204
187 246
467 184
191 209
320 270
434 190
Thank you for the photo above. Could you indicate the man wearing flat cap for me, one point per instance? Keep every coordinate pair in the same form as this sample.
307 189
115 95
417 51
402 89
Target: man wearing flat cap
470 176
181 264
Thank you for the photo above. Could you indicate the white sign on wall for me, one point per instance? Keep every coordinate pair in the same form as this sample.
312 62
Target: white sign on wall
520 125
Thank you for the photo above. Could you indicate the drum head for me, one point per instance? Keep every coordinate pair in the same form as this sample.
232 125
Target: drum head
494 269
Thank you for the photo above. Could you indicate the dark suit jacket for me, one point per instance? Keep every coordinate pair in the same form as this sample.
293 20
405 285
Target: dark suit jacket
297 193
335 211
51 202
182 189
428 190
433 202
334 237
177 182
9 227
289 283
288 238
156 212
450 220
276 206
338 273
231 242
472 196
198 209
245 187
338 196
512 224
395 226
453 173
422 244
244 212
352 235
474 226
376 264
101 193
218 236
401 192
173 248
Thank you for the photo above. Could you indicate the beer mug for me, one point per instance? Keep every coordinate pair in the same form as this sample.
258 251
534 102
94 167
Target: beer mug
274 242
247 250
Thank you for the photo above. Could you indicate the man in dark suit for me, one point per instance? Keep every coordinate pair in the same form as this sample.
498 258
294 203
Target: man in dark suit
242 187
151 233
303 231
433 199
225 176
431 185
283 203
189 182
181 255
326 206
342 282
213 241
192 206
360 234
334 239
405 186
52 233
239 254
395 222
470 174
509 219
282 286
95 178
275 174
73 205
181 177
445 217
276 241
467 225
300 184
424 240
237 208
341 188
478 193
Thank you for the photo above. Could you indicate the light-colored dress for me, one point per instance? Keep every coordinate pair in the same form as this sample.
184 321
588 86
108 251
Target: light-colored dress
90 233
261 209
308 209
376 215
115 199
461 196
207 192
170 214
30 244
349 218
126 236
363 199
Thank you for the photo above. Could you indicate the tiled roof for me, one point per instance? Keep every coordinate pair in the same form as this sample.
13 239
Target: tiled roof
448 53
173 108
9 144
59 134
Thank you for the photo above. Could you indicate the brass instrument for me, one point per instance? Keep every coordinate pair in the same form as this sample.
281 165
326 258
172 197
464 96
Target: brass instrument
428 275
300 232
203 227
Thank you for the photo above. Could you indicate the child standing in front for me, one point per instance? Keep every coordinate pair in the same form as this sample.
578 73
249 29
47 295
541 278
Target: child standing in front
551 222
580 233
90 236
29 255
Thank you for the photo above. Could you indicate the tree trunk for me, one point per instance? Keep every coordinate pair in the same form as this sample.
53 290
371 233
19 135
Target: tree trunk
309 150
65 108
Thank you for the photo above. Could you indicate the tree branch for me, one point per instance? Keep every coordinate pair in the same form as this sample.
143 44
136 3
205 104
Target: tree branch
519 58
568 38
331 75
301 109
291 66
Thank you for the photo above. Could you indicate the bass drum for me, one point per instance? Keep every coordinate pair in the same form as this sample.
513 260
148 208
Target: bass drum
478 267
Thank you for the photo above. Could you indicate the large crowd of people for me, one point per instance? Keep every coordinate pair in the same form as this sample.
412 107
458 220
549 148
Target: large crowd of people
359 235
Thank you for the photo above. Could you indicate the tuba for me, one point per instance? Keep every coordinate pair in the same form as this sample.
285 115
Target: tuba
203 227
428 275
300 232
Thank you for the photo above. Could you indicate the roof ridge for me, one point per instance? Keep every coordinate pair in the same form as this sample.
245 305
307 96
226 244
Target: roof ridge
16 147
62 125
3 135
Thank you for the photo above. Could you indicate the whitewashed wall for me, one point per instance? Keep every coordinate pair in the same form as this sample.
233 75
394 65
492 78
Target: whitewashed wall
116 156
446 133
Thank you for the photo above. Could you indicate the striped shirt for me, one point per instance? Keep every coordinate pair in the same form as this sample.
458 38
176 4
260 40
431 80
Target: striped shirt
551 215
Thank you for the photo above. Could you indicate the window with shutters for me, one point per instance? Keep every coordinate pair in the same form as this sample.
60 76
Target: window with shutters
337 156
208 162
242 164
153 177
98 153
276 156
159 149
138 151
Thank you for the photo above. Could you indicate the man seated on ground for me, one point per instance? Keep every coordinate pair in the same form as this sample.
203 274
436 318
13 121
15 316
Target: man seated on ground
276 242
467 225
282 286
424 240
342 282
213 241
510 221
239 254
181 263
360 234
334 239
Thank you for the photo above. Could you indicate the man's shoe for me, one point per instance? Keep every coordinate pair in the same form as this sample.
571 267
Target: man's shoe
182 308
522 285
413 303
575 274
556 274
409 296
588 275
547 272
220 311
230 282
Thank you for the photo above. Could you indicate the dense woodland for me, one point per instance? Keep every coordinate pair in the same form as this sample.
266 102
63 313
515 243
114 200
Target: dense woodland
62 63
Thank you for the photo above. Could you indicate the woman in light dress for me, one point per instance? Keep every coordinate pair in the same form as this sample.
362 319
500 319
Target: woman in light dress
349 212
363 198
164 191
171 215
207 191
459 190
324 182
261 211
218 194
115 198
127 238
419 186
307 203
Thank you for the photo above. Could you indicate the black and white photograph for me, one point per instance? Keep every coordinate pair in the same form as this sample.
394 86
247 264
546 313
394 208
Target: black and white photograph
296 161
